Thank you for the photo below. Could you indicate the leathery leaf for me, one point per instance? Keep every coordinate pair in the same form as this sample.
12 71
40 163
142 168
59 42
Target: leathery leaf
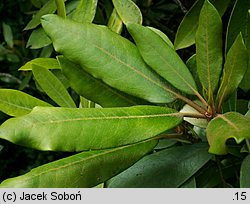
86 169
72 129
94 89
209 48
17 103
229 125
107 56
162 58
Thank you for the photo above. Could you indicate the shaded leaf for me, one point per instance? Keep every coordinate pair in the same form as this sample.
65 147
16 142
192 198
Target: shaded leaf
107 56
234 70
53 87
94 89
8 35
17 103
209 48
185 35
48 63
85 11
162 58
190 183
244 173
229 125
168 168
128 11
81 170
49 7
38 39
238 23
69 129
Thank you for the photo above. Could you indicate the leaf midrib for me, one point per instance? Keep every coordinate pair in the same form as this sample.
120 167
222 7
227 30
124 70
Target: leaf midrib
135 70
81 160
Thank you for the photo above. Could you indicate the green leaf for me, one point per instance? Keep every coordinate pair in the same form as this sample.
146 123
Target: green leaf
163 36
49 7
17 103
185 35
61 10
162 58
53 87
234 70
238 22
8 35
85 11
115 22
38 39
82 170
107 56
69 129
94 89
209 48
128 11
190 183
244 173
48 63
168 168
229 125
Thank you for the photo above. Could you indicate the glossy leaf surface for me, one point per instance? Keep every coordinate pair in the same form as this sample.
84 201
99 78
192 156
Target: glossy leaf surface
128 11
17 103
94 89
234 70
81 170
244 173
53 87
107 56
162 58
48 63
229 125
185 35
69 129
167 168
209 48
38 39
85 11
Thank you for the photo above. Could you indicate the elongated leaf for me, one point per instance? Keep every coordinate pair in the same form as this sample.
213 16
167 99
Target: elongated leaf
238 22
162 58
107 56
68 129
163 36
49 7
17 103
234 70
85 11
209 48
128 11
244 173
190 183
53 87
167 168
185 35
229 125
38 39
48 63
94 89
82 170
8 35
